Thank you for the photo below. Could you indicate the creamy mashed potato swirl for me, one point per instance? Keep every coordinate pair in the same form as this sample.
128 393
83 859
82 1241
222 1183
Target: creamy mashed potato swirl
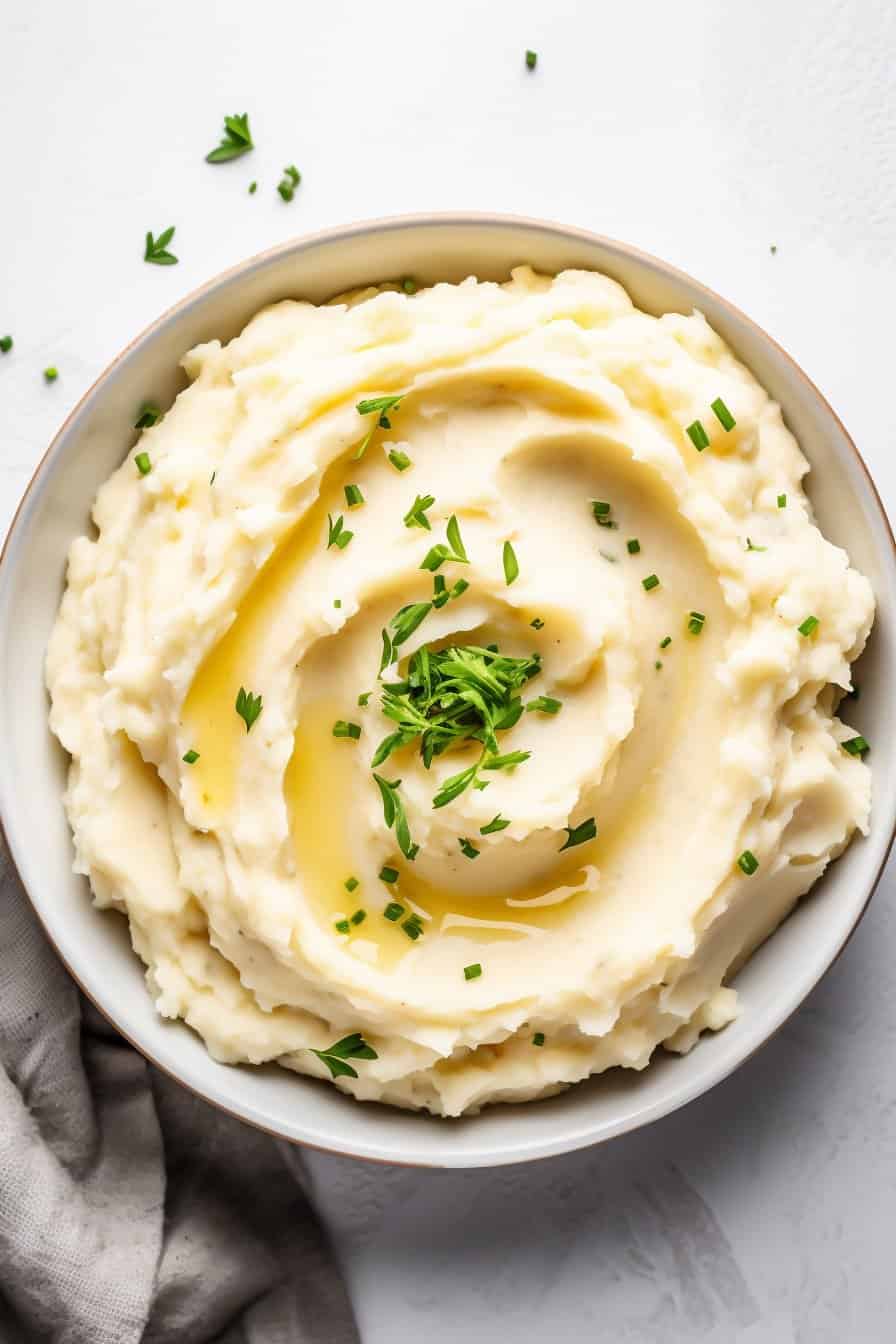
697 634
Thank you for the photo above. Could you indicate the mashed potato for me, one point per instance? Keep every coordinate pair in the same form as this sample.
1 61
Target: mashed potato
566 546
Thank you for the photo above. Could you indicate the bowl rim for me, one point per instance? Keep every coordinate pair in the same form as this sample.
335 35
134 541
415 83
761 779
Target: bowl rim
575 1139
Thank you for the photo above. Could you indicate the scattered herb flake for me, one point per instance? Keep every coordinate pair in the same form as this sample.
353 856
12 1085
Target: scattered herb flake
150 415
236 140
416 514
342 728
248 706
143 464
748 862
336 1056
472 972
190 757
399 460
856 746
808 627
466 848
650 582
497 823
698 435
511 564
156 251
722 414
579 835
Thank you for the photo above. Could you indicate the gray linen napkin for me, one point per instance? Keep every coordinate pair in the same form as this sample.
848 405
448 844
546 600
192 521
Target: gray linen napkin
129 1209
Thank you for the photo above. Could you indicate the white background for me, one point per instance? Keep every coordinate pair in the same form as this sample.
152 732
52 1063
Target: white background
704 131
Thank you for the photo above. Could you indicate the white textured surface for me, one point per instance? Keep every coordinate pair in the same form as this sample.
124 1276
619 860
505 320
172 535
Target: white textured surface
704 133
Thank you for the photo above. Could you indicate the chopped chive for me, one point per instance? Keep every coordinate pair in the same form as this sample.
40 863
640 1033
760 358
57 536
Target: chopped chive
413 927
248 706
156 251
809 626
452 531
472 972
697 435
351 884
191 757
633 545
469 851
51 374
5 344
658 665
696 622
497 823
435 557
336 533
773 249
408 285
253 187
416 514
511 564
150 415
341 728
782 501
537 624
856 746
342 926
531 60
748 862
359 917
722 414
579 835
399 460
664 643
364 697
544 704
538 1038
388 875
236 140
393 912
751 547
382 404
353 496
143 464
602 510
650 582
337 601
459 588
440 593
288 183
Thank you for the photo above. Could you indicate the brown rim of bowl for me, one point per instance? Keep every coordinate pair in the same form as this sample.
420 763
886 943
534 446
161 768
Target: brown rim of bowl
435 219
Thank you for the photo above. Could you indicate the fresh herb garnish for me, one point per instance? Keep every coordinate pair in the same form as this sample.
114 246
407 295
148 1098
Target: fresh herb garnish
633 545
236 140
51 374
400 628
544 704
722 414
782 501
143 464
394 814
409 285
342 926
399 460
856 746
696 622
150 415
454 551
288 182
341 728
579 835
466 848
511 564
664 643
531 60
393 912
602 511
537 624
413 927
650 582
359 917
253 187
5 344
157 249
697 435
416 514
337 535
248 706
751 547
191 757
472 972
336 1056
748 862
538 1038
364 697
497 823
379 406
388 875
808 627
351 884
353 496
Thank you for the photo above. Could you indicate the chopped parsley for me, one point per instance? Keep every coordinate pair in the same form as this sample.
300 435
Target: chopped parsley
191 757
394 815
351 884
248 706
455 551
342 926
6 344
291 178
363 698
748 862
544 704
579 835
236 140
336 1056
156 250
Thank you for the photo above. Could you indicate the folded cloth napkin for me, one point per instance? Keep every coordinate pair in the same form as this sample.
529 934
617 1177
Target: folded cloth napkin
129 1209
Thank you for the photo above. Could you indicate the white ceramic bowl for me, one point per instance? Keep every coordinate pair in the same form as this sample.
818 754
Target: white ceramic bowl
95 946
